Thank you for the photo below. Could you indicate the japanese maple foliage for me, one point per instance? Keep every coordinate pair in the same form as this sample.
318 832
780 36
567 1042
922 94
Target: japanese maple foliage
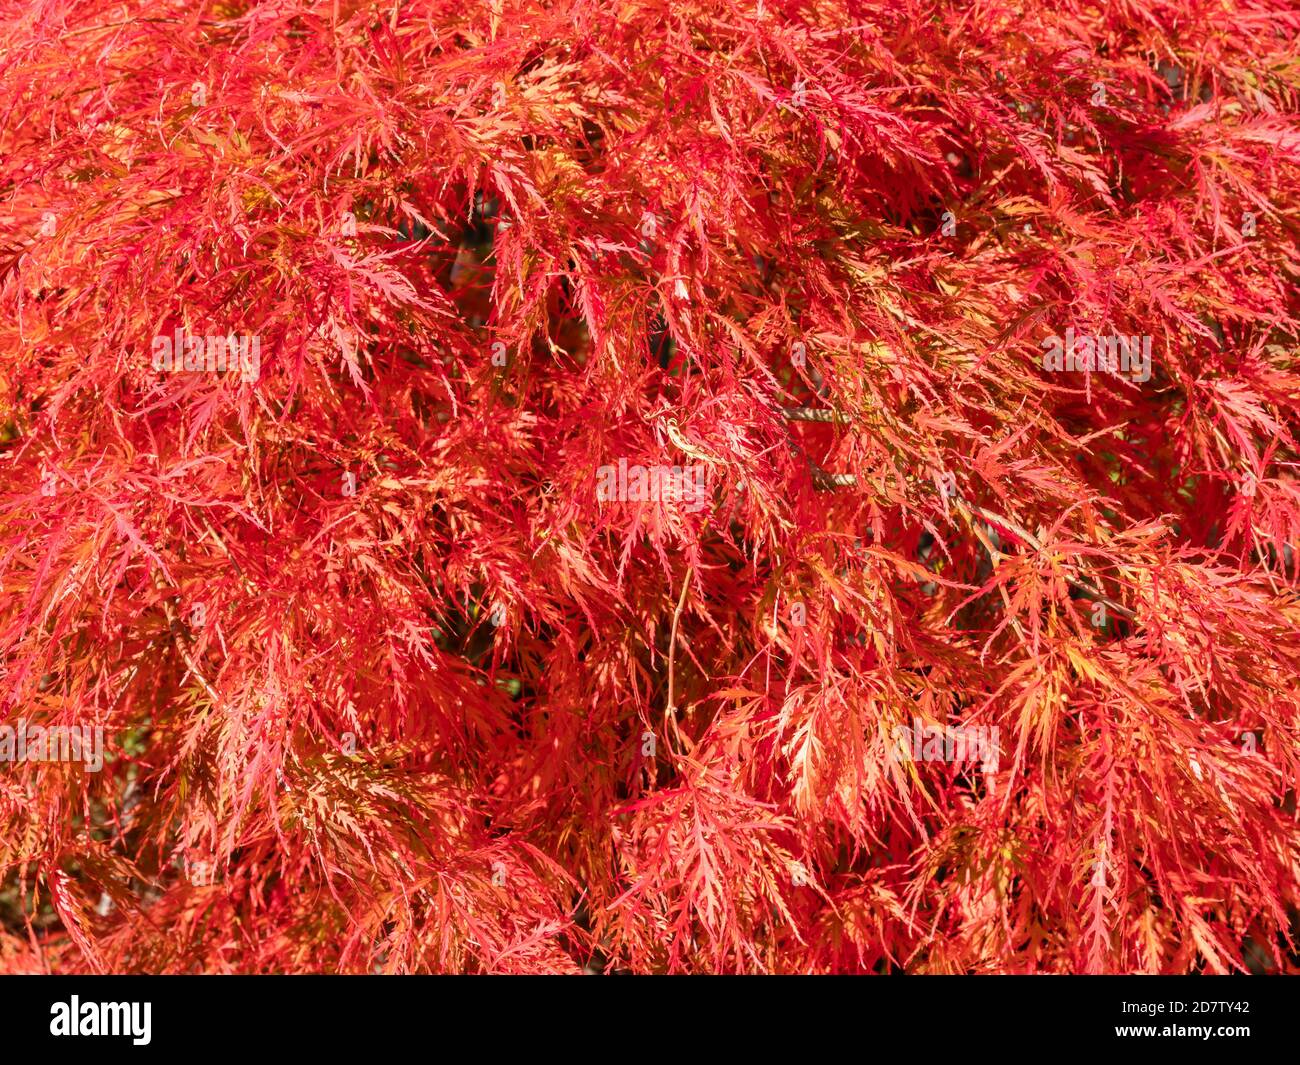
641 420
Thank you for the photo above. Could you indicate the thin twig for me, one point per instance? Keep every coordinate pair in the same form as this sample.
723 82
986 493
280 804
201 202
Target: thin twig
672 652
813 414
174 625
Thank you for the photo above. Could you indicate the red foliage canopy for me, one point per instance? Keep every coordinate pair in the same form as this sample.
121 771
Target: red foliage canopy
544 485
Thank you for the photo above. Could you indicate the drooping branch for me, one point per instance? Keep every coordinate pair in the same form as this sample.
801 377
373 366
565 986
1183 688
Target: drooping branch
826 479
